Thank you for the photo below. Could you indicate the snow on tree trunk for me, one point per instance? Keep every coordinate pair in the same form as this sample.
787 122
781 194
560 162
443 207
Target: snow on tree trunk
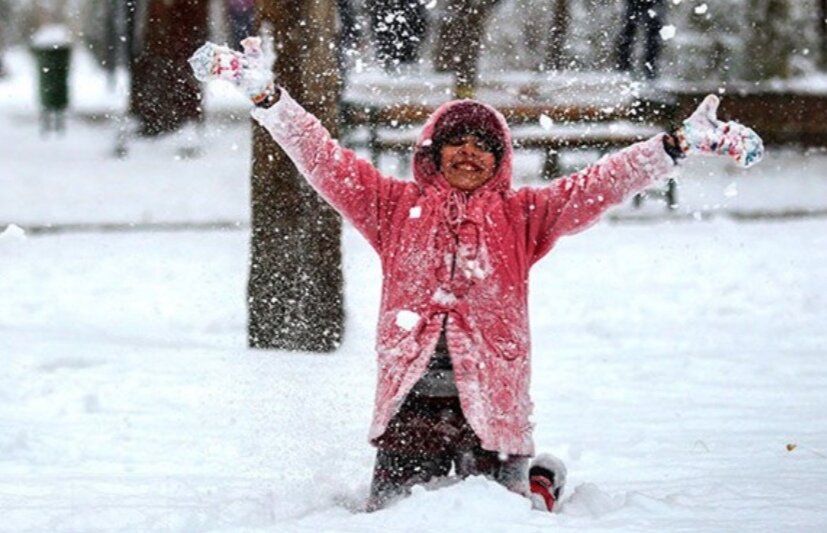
295 285
554 56
164 94
460 37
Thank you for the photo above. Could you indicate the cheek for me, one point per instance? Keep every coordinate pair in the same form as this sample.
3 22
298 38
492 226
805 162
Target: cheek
445 156
490 164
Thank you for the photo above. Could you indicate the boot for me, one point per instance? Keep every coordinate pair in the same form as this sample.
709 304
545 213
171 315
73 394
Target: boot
547 477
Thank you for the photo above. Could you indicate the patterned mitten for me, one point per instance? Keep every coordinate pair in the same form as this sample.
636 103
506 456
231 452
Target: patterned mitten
702 133
246 70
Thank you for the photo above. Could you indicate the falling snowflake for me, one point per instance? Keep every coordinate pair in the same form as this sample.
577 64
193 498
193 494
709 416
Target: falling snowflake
667 32
701 9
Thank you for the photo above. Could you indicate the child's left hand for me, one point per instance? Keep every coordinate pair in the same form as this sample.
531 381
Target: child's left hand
702 133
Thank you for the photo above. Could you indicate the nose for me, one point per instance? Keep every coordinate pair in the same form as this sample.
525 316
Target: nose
469 144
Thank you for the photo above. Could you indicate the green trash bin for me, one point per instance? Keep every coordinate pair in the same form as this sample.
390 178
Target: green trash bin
53 76
51 46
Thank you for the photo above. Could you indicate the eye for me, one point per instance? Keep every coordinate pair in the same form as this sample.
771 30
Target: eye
479 143
483 145
456 140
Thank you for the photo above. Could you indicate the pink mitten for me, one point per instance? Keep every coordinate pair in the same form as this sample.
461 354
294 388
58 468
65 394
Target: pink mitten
702 133
246 70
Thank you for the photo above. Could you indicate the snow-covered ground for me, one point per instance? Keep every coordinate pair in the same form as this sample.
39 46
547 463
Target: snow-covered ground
678 364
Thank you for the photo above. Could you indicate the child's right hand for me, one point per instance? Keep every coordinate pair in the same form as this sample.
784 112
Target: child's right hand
246 70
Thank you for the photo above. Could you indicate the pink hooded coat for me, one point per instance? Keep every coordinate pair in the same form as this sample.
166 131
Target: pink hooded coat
458 259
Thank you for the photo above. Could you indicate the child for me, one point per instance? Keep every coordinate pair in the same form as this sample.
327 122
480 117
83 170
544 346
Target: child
456 245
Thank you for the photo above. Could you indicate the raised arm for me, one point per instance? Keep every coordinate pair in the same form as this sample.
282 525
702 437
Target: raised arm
351 185
573 203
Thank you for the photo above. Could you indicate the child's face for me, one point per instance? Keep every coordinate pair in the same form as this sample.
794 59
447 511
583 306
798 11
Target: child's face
467 162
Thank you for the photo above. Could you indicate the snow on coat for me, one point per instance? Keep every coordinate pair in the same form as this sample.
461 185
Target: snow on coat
458 259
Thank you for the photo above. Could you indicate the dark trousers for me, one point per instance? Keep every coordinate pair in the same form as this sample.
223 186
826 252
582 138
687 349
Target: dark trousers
426 439
637 15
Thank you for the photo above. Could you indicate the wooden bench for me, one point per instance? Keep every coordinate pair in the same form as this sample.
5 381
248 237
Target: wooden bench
547 128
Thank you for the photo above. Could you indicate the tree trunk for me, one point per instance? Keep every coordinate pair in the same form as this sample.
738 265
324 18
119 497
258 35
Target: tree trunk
460 37
294 290
822 26
554 57
164 93
770 42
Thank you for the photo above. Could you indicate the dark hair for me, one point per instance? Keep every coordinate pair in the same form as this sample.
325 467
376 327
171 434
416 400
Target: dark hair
468 118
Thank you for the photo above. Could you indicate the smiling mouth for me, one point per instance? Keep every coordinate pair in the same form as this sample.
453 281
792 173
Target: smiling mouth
467 165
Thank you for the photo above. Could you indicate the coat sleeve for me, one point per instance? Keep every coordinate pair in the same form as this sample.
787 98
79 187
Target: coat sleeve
351 185
573 203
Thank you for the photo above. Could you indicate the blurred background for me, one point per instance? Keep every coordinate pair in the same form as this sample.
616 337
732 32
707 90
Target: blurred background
774 49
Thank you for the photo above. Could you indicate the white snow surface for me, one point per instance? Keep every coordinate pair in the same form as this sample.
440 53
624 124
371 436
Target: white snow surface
12 232
674 360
